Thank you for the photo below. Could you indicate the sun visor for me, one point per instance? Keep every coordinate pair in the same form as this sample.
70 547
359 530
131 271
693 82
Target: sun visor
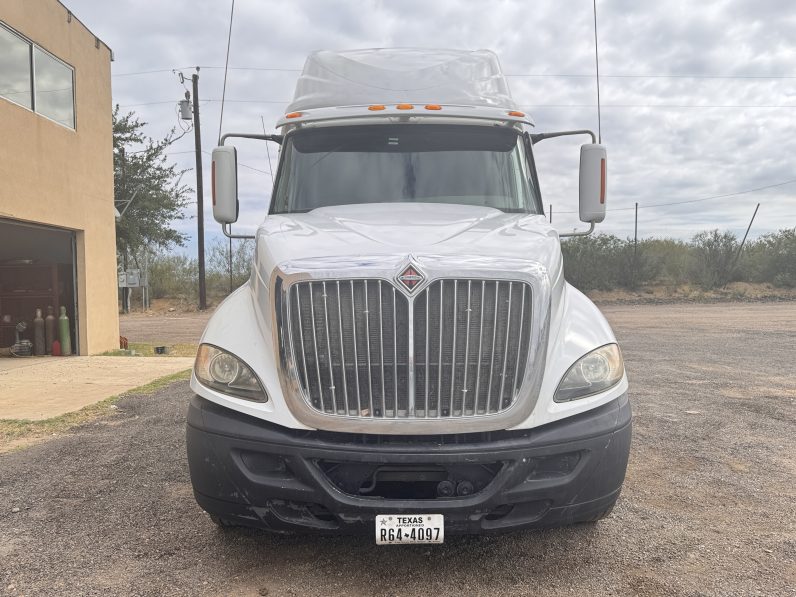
390 76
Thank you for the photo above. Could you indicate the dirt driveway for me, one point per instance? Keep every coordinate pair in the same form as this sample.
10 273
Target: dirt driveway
707 508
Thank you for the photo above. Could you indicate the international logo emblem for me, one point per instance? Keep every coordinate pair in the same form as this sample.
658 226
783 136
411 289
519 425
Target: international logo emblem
410 278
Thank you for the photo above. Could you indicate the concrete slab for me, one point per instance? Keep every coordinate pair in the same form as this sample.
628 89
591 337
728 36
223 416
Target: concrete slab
43 387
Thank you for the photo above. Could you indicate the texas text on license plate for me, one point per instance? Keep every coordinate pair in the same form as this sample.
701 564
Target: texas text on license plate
409 528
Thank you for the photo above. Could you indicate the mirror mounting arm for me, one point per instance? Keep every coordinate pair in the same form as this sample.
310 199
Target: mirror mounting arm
536 137
586 233
274 138
227 229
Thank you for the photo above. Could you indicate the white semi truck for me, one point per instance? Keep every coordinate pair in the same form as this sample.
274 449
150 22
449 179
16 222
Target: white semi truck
407 358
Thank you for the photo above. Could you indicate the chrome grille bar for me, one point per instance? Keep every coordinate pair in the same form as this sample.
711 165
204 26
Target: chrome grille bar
480 344
329 349
454 317
367 336
342 348
514 387
394 355
492 352
466 350
381 355
356 355
315 349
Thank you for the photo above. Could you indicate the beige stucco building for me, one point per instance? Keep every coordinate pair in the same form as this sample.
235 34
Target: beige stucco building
57 225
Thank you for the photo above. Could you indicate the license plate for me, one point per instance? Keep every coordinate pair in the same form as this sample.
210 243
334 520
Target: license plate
394 529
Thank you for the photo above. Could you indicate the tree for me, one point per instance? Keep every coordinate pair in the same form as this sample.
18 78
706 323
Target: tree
146 188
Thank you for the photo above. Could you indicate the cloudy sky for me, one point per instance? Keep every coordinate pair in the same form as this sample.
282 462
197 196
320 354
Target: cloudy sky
698 98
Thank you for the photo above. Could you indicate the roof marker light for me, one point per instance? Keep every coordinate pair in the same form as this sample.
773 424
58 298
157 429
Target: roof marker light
516 113
433 107
404 107
293 115
376 107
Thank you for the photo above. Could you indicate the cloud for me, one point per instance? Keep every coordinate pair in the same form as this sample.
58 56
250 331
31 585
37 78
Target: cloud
662 147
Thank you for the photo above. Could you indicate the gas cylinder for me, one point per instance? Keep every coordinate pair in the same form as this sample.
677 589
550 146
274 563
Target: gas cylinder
49 330
63 333
38 334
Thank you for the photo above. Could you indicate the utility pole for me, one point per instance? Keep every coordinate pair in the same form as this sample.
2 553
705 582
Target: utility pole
551 213
635 232
749 227
200 207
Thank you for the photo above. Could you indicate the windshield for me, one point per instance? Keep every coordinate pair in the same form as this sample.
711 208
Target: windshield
406 163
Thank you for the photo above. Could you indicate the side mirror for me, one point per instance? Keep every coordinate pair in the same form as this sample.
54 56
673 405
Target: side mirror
225 184
592 183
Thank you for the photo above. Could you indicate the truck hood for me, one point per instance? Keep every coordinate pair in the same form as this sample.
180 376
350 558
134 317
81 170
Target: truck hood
407 228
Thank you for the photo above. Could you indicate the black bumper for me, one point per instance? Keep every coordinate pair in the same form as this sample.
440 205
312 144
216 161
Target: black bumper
252 473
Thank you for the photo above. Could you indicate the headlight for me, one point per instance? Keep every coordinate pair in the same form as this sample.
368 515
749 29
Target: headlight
227 374
593 373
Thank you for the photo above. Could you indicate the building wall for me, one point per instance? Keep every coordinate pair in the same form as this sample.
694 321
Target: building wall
61 177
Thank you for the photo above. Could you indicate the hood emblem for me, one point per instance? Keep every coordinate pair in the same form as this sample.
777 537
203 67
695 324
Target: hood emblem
410 278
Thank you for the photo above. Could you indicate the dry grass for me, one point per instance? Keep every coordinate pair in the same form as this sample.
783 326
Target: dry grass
147 349
735 291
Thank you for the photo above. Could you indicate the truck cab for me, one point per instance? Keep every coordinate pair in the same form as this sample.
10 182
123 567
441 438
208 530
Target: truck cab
407 359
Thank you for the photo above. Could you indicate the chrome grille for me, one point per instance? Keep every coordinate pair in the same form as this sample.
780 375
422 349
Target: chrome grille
352 343
471 346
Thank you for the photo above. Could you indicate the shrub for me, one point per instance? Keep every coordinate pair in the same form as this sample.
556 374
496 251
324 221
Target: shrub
673 259
174 276
772 258
635 265
590 262
219 280
714 258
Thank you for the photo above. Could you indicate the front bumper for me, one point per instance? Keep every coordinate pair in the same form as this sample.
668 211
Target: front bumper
252 473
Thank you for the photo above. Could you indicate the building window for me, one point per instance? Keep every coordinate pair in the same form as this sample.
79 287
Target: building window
15 80
54 88
35 79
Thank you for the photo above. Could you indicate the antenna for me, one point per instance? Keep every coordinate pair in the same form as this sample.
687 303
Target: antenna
226 68
597 63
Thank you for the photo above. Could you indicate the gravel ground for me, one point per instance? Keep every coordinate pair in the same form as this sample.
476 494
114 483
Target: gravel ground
171 328
707 508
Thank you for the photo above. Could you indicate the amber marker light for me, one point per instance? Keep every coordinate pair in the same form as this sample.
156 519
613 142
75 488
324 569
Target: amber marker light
404 107
376 107
516 113
293 115
433 107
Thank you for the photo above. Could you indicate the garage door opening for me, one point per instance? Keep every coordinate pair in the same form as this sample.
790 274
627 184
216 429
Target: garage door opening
37 271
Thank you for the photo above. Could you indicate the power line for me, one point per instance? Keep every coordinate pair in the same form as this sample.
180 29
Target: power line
149 72
210 154
651 76
516 75
722 196
541 106
206 101
665 106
